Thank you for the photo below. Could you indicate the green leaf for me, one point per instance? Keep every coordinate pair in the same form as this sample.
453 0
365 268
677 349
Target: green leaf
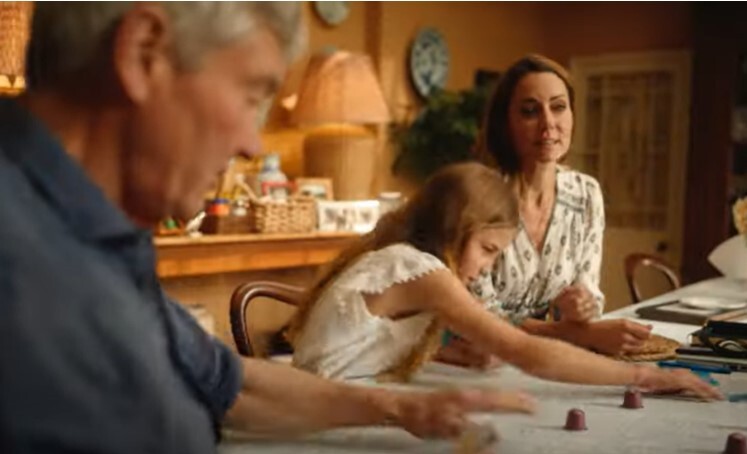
443 133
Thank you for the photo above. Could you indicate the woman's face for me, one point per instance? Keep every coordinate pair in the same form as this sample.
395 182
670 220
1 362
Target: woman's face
481 250
540 119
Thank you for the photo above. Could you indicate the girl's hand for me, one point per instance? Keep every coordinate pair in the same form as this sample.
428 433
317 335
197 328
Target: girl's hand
653 379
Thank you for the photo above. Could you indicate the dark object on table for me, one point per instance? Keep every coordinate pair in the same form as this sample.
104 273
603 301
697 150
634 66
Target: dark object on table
576 420
736 444
632 399
725 338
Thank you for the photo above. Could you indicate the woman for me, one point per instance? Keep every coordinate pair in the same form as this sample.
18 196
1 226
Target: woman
551 269
380 308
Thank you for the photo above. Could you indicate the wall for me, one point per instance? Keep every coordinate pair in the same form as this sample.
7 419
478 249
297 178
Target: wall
588 28
487 35
484 35
479 35
351 35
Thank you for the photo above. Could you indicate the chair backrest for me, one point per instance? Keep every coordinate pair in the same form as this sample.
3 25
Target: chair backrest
243 295
636 260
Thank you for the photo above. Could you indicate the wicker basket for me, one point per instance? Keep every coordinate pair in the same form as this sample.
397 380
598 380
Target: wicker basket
294 215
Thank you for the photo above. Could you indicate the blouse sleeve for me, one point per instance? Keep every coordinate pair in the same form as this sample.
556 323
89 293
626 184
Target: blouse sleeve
589 266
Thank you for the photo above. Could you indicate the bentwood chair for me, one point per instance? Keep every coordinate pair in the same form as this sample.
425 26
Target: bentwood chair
258 331
633 262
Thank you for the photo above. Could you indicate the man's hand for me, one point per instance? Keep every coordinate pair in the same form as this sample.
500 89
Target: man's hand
443 414
653 379
461 352
576 304
614 337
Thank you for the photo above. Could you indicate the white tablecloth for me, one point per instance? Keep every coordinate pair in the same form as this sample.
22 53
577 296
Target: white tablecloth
664 425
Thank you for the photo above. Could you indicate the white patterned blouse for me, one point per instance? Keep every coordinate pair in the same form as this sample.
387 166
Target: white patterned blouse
524 280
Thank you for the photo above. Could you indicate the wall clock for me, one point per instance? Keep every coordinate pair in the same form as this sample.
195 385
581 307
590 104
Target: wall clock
331 12
429 61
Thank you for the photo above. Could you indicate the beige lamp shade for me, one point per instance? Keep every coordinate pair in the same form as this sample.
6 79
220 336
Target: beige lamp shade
339 94
340 87
14 35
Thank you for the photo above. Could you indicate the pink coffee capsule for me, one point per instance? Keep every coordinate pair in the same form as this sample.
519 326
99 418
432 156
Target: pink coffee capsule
632 399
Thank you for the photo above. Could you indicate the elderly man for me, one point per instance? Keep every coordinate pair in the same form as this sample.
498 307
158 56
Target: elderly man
133 109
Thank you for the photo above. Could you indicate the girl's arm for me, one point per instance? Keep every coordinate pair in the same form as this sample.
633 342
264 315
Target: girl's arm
441 292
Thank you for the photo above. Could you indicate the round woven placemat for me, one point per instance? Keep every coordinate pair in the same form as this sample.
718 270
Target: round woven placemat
656 348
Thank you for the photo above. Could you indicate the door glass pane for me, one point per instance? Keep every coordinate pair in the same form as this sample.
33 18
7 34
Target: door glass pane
627 143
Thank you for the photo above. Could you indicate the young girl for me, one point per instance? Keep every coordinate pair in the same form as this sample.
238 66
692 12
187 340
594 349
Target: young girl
380 309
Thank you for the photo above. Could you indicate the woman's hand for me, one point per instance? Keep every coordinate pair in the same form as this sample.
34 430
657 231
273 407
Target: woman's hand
614 337
461 352
653 379
576 304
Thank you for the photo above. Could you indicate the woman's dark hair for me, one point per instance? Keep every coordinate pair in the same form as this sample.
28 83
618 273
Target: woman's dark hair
496 147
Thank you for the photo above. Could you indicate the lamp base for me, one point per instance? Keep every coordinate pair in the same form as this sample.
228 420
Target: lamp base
347 156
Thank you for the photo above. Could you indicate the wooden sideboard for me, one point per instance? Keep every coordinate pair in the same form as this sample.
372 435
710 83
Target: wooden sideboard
215 254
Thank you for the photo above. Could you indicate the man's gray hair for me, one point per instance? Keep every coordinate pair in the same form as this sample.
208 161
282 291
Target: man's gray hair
67 37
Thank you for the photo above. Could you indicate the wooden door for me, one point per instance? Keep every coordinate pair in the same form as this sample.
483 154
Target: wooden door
632 123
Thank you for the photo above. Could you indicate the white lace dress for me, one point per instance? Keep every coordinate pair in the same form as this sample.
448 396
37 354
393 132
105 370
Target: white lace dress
342 339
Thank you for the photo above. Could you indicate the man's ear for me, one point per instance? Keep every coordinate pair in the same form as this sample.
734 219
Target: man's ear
142 43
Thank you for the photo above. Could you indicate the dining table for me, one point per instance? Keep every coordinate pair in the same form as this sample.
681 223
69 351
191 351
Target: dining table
665 423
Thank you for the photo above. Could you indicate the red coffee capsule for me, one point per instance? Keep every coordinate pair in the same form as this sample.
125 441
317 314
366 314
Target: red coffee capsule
576 420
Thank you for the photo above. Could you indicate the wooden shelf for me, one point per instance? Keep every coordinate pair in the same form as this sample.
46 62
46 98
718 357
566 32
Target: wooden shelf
215 254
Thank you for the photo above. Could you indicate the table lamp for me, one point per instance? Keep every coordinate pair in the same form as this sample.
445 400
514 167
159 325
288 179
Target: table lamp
339 99
14 34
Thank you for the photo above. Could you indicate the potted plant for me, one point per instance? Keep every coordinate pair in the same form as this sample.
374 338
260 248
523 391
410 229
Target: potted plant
444 132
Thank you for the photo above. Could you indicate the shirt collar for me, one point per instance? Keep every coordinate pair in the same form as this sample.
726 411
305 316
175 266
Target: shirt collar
60 180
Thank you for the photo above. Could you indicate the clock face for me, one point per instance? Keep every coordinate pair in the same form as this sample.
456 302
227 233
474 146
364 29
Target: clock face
429 61
332 13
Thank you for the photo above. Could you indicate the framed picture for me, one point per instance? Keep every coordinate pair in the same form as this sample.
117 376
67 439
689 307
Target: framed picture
351 216
277 189
319 188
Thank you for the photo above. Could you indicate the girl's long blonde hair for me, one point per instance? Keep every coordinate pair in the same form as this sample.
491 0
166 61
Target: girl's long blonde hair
454 203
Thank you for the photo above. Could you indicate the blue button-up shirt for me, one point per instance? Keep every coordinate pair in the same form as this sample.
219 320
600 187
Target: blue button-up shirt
93 357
